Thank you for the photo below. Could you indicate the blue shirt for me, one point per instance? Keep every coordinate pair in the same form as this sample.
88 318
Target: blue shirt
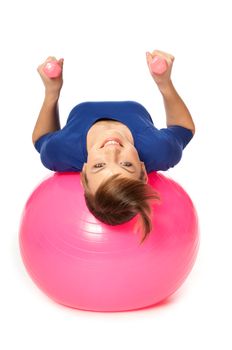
65 150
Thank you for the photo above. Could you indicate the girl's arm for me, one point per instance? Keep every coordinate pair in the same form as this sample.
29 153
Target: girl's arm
48 119
176 111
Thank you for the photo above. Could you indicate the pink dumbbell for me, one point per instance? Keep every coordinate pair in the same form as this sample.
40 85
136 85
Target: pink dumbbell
159 65
52 69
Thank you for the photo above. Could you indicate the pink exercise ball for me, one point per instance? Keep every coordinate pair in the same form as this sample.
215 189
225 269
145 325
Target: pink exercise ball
83 263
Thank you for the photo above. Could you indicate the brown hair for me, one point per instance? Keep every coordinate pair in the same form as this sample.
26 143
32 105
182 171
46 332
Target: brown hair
119 199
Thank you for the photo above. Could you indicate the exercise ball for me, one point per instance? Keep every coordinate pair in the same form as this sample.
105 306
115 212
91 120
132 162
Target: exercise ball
83 263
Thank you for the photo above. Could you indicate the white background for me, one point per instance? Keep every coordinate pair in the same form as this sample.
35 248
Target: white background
104 44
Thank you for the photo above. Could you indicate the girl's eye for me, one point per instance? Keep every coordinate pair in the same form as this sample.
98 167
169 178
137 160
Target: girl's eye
127 164
99 165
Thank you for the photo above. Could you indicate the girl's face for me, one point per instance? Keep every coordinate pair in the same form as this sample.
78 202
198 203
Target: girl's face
105 160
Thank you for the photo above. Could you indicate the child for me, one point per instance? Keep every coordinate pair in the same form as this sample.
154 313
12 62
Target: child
114 145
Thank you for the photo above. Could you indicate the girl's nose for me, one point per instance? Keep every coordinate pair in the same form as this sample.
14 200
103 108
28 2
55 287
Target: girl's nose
112 148
112 151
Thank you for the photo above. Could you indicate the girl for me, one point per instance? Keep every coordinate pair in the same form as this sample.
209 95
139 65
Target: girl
114 145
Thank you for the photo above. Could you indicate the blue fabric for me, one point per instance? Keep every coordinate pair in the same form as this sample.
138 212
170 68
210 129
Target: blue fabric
159 149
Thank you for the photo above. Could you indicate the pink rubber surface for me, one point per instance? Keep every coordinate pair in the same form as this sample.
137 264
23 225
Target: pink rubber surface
85 264
52 69
159 65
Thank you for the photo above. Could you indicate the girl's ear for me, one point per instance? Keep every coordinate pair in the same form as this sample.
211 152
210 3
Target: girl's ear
145 177
81 183
83 169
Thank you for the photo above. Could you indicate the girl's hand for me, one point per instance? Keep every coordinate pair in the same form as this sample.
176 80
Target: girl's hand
52 85
162 80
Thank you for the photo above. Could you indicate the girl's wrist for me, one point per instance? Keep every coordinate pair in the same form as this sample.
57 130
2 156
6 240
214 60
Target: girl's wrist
51 96
166 88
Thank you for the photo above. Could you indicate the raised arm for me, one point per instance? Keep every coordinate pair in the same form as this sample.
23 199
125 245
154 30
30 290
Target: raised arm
176 111
48 119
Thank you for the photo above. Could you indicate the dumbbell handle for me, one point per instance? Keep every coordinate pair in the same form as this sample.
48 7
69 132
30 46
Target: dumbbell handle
52 69
159 65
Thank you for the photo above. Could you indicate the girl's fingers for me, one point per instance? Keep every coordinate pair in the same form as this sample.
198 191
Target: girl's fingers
61 62
162 53
168 57
149 57
50 58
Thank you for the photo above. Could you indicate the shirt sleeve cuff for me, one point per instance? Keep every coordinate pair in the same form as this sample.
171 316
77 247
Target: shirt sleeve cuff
38 144
182 134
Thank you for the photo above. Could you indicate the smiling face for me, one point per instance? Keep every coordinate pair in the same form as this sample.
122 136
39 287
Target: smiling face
108 158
